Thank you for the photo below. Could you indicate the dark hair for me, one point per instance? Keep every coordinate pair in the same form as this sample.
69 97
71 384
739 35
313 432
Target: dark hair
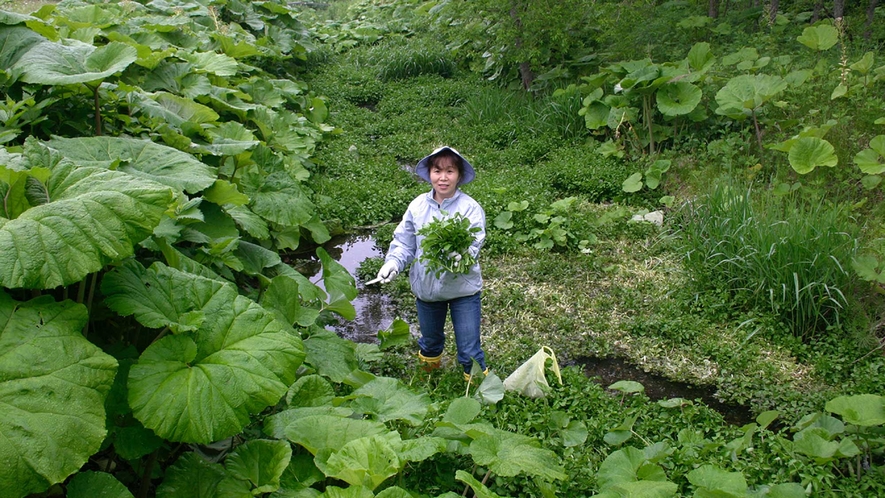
459 163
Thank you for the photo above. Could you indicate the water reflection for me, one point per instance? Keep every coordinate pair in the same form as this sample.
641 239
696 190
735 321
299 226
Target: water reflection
374 309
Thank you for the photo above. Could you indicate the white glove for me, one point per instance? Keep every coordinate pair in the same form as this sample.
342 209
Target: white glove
388 272
455 256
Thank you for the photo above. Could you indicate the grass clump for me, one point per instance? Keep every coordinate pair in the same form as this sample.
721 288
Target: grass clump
397 62
780 254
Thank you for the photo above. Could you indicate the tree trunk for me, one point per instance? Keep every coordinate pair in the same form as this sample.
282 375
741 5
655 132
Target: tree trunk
838 8
818 6
772 13
525 68
713 9
868 27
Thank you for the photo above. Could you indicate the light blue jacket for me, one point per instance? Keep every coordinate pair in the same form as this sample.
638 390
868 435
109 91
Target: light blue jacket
406 247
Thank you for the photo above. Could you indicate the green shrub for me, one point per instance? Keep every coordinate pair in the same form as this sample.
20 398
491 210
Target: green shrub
582 171
781 254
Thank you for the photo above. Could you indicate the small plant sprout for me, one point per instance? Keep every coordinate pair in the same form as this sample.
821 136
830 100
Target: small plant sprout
626 387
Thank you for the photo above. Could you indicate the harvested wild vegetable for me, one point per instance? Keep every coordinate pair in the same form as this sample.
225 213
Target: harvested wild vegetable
445 244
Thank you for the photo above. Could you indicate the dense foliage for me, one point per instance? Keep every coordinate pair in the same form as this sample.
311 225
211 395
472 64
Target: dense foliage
162 162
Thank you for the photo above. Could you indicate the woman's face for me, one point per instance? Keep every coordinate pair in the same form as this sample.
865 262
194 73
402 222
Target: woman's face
444 177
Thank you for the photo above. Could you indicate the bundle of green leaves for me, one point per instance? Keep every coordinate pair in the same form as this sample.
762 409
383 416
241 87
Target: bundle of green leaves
445 244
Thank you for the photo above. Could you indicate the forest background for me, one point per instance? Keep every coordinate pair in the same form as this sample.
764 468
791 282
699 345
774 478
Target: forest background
166 163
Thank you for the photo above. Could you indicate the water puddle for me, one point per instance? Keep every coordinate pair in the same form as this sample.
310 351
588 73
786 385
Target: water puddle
611 370
374 309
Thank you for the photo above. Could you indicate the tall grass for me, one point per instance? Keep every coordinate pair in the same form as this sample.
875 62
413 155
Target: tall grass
407 61
782 254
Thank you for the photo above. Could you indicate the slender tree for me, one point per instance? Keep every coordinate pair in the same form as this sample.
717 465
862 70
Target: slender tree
871 13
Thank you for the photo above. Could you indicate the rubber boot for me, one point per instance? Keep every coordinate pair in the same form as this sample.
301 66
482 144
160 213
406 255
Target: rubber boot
429 363
467 375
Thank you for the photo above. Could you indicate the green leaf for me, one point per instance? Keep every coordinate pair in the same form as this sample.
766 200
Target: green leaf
872 160
95 217
71 61
310 390
479 489
211 62
633 183
236 360
53 384
462 411
820 37
331 355
815 443
508 455
743 95
281 200
318 433
261 462
175 110
140 158
700 58
627 387
398 333
677 99
340 285
504 220
14 42
868 268
89 484
839 91
627 465
864 65
388 399
367 461
713 479
491 390
191 477
810 152
787 490
866 410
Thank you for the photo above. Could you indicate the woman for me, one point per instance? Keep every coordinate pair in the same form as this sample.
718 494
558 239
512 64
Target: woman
458 294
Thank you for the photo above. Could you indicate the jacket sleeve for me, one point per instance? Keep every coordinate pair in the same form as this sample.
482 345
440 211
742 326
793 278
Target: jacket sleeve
404 245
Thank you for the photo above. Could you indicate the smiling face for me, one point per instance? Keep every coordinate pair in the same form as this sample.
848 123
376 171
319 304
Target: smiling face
444 177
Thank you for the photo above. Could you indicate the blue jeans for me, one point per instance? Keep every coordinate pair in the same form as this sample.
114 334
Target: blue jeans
466 312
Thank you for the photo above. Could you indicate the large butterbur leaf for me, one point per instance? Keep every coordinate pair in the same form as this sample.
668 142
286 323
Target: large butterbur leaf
366 461
677 99
53 385
94 217
865 410
140 158
14 42
821 37
508 454
71 61
191 477
231 358
389 399
745 94
808 153
261 462
281 200
90 484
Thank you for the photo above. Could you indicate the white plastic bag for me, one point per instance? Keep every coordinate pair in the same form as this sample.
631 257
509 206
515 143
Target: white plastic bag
529 379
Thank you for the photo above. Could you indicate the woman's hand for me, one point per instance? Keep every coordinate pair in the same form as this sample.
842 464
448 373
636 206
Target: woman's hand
388 272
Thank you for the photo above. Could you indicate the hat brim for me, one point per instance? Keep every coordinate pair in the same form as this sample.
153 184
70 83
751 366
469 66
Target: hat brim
422 169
